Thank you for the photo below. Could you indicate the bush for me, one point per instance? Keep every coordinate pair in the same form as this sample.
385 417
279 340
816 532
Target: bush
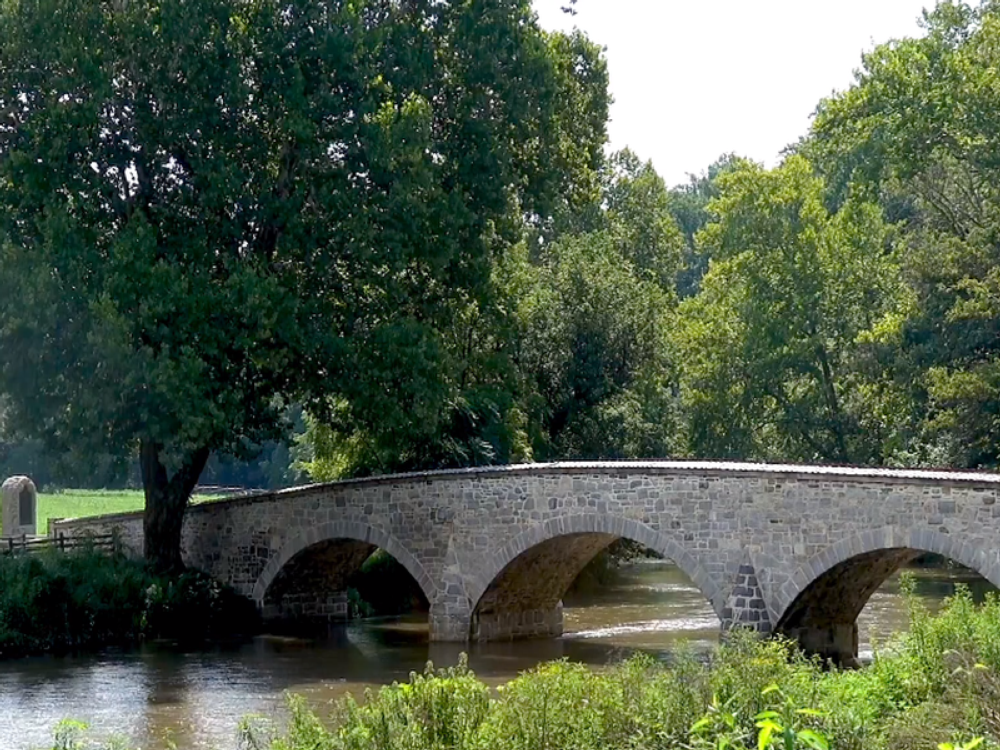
938 684
87 599
384 587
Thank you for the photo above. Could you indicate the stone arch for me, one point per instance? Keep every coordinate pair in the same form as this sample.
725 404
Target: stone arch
887 538
359 532
820 603
584 535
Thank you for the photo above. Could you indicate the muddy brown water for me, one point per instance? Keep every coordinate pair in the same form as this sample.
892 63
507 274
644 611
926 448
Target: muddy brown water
195 699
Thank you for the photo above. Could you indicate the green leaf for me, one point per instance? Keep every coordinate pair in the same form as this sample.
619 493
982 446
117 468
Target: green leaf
767 729
700 724
813 739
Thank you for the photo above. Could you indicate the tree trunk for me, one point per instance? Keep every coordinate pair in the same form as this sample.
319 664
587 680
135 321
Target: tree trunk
166 499
830 393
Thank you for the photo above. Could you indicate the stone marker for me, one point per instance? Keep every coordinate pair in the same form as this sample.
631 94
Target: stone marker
20 507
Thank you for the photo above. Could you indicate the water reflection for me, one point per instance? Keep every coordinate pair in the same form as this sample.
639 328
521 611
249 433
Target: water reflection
196 698
651 606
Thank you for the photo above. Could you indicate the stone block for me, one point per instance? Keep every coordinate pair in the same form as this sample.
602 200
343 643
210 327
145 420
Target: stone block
20 507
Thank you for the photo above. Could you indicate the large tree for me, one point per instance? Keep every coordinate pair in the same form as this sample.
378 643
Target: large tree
920 132
779 348
472 413
211 208
594 307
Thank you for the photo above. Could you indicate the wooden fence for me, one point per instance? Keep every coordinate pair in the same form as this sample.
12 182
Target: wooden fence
13 545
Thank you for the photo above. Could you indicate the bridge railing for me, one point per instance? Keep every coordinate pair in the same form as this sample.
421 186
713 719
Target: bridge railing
13 545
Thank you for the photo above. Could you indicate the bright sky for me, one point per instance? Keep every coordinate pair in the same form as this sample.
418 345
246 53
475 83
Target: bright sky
693 79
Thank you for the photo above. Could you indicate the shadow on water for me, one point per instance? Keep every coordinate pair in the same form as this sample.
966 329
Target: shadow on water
196 698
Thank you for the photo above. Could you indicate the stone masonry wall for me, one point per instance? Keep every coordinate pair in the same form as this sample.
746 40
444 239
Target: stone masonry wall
746 607
507 626
769 530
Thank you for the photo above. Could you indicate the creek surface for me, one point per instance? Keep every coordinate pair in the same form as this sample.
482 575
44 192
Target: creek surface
196 699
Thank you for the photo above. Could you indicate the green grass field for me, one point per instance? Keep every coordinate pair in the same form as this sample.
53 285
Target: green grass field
79 503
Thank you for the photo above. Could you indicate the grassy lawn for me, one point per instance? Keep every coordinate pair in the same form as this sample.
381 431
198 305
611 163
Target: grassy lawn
81 503
78 503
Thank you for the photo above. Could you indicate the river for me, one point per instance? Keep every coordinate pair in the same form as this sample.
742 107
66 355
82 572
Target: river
196 698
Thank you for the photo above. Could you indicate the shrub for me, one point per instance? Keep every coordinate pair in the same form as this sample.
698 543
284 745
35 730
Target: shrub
383 587
87 599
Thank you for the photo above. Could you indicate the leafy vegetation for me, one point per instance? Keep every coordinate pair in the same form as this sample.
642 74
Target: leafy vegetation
84 599
935 689
392 228
211 211
839 308
404 242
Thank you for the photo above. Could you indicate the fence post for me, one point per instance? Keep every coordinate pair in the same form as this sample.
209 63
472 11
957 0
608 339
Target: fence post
62 541
24 542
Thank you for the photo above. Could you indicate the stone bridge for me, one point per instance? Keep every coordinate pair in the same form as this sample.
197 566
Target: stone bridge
790 549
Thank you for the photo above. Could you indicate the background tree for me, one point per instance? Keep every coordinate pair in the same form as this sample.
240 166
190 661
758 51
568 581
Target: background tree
774 346
689 207
594 354
594 309
210 210
920 132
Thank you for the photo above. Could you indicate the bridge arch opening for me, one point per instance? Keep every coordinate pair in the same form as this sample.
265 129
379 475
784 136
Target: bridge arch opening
314 578
521 595
828 593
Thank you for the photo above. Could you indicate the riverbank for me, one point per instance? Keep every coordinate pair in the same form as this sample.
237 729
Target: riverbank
56 602
939 683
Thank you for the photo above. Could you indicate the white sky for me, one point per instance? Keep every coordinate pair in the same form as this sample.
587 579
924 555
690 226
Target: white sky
693 79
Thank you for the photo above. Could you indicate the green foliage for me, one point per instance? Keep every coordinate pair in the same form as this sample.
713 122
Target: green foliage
689 207
920 132
171 606
933 690
454 401
211 210
751 694
592 309
434 710
779 346
58 602
786 725
383 586
89 599
594 353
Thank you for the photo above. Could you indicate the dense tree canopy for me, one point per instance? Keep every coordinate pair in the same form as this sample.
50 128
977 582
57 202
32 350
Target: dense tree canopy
920 131
210 209
774 343
399 218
